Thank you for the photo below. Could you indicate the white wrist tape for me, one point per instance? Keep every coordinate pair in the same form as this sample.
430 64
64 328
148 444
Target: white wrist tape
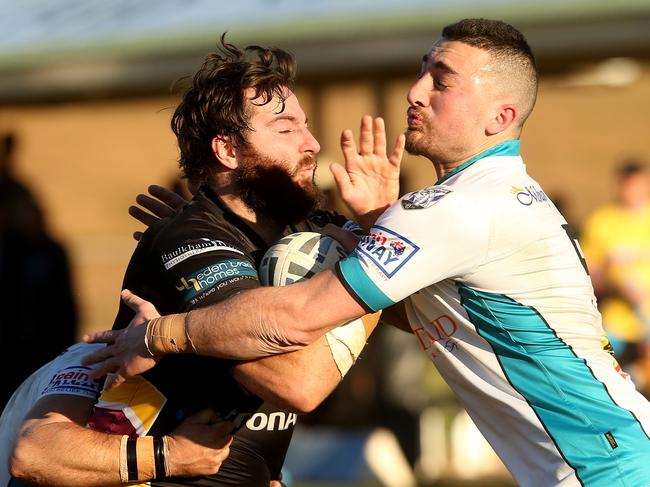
346 343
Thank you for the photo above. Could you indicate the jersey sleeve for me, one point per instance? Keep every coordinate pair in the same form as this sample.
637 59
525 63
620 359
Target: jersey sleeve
70 377
205 267
423 238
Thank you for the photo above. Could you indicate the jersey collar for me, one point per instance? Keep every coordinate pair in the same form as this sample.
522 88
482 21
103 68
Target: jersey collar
507 148
232 217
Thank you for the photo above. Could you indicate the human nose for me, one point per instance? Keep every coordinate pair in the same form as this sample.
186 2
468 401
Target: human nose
311 144
418 94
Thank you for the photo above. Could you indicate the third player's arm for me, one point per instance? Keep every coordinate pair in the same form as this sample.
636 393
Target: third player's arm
54 448
299 381
252 324
296 381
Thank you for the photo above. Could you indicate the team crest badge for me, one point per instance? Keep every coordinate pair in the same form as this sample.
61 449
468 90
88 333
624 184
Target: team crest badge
424 198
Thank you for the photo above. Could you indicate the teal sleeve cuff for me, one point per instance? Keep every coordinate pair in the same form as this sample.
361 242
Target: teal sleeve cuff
360 286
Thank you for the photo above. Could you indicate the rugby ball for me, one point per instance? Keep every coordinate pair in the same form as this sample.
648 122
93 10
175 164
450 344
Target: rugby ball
299 256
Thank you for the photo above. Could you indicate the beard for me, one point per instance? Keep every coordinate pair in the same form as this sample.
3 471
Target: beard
269 188
414 142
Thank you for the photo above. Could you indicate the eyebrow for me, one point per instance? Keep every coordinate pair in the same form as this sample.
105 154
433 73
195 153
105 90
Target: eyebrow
438 65
289 118
444 67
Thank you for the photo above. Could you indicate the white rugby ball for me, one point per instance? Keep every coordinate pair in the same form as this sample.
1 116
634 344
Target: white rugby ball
299 256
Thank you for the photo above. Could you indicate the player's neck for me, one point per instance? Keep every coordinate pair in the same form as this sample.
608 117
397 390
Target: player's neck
445 166
267 230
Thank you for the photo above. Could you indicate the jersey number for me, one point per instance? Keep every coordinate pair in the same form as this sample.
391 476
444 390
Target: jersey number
576 247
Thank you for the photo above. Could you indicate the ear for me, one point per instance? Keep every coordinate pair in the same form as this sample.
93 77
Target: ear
224 150
505 117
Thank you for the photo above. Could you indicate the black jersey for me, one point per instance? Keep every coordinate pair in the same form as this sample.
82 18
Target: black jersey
200 256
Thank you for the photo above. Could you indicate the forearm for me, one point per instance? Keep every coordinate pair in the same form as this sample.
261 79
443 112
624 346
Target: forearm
54 451
271 320
247 326
298 381
51 454
253 324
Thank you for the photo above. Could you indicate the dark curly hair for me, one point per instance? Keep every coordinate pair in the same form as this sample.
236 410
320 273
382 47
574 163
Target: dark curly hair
215 102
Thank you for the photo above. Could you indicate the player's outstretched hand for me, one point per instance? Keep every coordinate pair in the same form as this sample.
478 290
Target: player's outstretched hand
369 183
199 445
164 203
126 353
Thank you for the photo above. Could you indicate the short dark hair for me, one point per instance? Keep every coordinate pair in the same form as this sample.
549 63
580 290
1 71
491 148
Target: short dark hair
630 167
508 46
215 102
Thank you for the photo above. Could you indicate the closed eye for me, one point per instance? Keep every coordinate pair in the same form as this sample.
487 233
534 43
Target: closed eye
437 82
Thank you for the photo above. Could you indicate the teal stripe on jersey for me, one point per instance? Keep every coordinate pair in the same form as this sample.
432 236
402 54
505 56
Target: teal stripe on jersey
358 281
603 442
507 148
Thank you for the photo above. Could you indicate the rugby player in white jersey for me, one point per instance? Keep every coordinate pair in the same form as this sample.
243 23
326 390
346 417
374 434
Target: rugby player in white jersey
493 287
58 397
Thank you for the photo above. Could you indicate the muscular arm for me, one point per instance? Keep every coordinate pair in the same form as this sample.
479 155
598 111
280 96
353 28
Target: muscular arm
297 381
53 448
301 380
50 443
253 324
271 320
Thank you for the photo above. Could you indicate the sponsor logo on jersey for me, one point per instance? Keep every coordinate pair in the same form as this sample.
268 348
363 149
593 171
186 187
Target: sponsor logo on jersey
72 379
424 198
441 330
220 273
388 250
277 421
529 195
170 259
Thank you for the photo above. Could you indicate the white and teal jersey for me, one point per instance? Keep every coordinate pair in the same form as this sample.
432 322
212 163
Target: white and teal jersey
62 375
500 299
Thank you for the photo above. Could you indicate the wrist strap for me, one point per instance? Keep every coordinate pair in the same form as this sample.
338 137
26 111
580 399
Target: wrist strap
347 341
124 469
132 458
168 334
168 469
159 457
143 458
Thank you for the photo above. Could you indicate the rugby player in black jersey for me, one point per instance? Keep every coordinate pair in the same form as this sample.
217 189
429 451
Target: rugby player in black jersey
243 137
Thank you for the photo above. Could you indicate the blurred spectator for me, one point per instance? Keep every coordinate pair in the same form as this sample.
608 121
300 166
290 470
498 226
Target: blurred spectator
34 282
616 243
